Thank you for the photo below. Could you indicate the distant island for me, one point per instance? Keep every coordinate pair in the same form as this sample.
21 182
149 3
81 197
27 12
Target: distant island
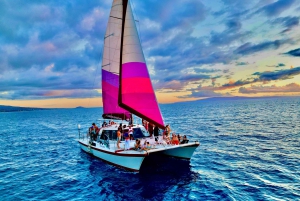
6 108
79 107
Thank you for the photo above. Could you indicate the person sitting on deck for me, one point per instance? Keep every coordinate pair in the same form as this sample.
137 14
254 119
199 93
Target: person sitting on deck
166 138
175 140
179 137
137 145
148 146
184 140
104 124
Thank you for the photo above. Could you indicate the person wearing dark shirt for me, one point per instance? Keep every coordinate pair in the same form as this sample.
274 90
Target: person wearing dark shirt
156 132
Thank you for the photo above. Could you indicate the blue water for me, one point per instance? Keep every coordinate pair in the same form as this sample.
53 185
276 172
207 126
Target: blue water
250 150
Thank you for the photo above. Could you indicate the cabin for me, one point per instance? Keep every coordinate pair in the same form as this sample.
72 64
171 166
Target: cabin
110 132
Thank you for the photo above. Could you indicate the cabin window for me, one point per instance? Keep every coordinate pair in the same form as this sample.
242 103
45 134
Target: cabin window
140 133
112 135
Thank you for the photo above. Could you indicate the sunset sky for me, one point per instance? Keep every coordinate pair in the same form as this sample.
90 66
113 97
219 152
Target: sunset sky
50 51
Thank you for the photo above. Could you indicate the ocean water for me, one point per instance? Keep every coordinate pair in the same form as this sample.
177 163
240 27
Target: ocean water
250 150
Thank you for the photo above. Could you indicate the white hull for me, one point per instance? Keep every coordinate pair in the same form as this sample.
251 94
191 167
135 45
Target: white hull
132 160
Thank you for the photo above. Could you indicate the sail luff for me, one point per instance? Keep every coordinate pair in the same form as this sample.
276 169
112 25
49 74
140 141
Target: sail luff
125 4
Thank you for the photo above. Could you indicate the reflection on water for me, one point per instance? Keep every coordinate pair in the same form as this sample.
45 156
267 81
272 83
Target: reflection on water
158 176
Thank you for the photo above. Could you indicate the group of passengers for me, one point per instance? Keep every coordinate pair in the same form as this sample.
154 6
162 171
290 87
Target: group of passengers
139 147
127 135
175 139
110 122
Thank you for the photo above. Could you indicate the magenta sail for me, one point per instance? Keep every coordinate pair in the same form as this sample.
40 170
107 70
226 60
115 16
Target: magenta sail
110 90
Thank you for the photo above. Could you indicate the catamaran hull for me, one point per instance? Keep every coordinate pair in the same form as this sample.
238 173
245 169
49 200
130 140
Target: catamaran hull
131 162
181 152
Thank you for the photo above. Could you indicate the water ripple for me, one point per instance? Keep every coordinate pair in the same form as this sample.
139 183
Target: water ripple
249 151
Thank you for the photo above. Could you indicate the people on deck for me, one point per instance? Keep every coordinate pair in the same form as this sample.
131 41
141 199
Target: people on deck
121 128
168 130
119 138
130 132
137 145
175 140
150 129
104 124
94 131
127 139
179 138
156 133
166 138
148 146
145 124
184 140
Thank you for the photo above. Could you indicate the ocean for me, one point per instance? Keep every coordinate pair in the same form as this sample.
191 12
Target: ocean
249 150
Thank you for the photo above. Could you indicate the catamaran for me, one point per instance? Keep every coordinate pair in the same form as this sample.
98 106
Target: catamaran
127 90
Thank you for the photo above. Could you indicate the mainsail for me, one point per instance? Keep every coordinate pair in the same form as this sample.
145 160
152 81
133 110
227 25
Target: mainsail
124 60
111 64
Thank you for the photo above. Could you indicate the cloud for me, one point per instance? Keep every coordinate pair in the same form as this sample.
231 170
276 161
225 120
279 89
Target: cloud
280 65
249 48
202 93
59 44
277 75
241 63
35 94
287 22
295 52
265 76
205 70
179 81
293 87
276 8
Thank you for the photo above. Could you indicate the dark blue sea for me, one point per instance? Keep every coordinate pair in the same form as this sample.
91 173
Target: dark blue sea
250 150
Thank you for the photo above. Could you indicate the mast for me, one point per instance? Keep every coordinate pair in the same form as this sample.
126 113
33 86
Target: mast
124 3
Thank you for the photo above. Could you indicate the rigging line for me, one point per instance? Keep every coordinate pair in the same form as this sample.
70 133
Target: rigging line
138 28
137 20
